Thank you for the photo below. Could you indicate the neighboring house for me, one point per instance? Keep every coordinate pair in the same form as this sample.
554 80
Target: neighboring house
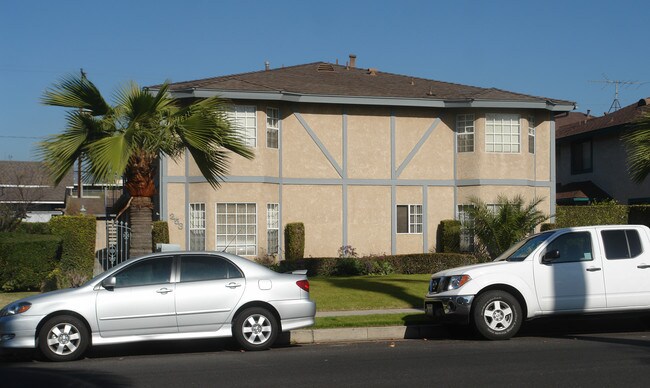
363 158
592 161
26 186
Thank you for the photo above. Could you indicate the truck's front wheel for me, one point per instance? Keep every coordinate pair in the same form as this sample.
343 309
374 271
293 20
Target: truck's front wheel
497 315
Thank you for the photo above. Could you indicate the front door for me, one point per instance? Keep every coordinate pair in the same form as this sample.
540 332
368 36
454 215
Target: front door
142 301
573 281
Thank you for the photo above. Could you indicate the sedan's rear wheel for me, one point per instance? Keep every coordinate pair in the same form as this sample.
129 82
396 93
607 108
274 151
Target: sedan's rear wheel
497 315
256 328
63 338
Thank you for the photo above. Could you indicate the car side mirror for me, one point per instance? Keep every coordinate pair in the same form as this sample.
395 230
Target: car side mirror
550 256
109 283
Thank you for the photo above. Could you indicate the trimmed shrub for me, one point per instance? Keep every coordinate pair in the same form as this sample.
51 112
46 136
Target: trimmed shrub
604 213
34 228
26 260
294 238
421 263
639 215
77 248
449 236
159 234
547 226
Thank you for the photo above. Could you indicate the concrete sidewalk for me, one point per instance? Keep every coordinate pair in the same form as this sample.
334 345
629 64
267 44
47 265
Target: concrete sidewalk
310 336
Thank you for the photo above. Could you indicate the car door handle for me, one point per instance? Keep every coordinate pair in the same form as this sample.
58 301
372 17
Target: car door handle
233 285
164 291
643 266
593 269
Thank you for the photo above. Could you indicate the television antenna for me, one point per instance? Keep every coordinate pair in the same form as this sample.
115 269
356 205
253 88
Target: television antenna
616 105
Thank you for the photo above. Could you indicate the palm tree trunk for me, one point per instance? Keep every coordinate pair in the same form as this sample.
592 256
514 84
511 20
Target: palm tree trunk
141 213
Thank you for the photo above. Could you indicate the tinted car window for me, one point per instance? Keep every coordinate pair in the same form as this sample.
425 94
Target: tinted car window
195 268
152 271
621 244
572 247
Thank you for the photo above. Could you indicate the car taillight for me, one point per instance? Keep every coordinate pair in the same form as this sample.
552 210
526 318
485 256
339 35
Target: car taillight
303 284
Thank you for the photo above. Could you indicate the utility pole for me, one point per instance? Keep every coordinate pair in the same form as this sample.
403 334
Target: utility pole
79 175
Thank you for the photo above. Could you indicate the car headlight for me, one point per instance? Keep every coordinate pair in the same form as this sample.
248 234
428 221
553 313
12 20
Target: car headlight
457 281
16 308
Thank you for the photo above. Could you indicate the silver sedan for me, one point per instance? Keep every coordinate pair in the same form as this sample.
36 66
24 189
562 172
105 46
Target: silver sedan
177 295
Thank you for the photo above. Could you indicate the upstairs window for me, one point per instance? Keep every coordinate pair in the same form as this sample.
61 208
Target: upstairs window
245 119
531 134
581 157
502 133
465 133
272 127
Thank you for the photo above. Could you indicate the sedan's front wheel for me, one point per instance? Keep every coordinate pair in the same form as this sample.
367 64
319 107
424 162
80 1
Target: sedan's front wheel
63 338
497 315
256 328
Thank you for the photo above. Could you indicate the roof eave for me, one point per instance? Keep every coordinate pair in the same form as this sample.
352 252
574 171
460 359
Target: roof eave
369 100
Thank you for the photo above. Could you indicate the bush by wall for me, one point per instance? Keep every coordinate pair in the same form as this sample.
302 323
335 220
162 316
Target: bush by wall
77 248
639 214
294 239
34 228
421 263
26 260
602 214
449 236
547 226
159 234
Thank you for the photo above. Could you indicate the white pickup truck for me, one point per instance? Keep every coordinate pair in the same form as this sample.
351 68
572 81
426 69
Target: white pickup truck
583 270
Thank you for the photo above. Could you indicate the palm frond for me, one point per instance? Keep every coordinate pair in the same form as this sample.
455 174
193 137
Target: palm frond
74 91
637 145
109 156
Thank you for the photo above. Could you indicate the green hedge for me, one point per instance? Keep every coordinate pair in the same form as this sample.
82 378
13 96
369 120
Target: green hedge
294 239
159 234
34 228
78 235
607 213
422 263
449 236
26 260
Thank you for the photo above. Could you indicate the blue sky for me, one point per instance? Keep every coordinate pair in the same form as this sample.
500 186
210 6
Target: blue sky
545 48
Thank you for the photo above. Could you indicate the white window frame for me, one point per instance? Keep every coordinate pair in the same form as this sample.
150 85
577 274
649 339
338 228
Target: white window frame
197 224
236 228
244 117
503 133
415 219
466 228
272 127
272 227
465 131
531 134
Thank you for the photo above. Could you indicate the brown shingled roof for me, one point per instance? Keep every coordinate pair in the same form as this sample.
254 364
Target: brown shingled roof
326 79
621 118
34 180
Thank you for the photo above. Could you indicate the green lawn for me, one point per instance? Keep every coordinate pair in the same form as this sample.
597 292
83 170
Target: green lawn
368 292
8 297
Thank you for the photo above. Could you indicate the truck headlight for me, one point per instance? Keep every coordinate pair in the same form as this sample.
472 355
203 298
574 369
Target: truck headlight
457 281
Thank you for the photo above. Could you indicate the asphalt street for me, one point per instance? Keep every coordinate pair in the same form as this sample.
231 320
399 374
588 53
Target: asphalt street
546 359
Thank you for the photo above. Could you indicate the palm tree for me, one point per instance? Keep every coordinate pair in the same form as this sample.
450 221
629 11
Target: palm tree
128 138
637 144
509 221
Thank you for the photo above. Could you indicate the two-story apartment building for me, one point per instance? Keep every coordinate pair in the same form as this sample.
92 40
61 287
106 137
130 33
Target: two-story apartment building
363 158
592 160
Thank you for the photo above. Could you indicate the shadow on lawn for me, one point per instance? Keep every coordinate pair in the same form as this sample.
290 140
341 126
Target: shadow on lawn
382 286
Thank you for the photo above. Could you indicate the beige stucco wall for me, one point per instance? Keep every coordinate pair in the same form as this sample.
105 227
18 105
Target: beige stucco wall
313 192
319 208
369 215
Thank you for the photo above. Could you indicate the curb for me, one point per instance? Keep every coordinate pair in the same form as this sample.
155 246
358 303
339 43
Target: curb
364 334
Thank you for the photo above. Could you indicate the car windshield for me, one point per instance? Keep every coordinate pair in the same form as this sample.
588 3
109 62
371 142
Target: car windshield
521 250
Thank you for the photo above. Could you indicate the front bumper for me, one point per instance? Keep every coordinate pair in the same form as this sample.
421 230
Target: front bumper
449 309
18 331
